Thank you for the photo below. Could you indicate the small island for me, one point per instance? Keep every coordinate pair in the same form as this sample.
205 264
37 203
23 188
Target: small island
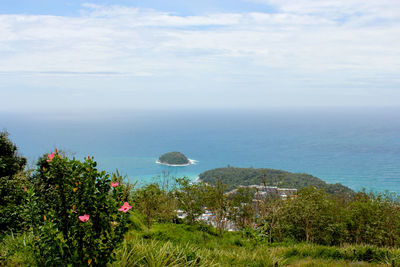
174 159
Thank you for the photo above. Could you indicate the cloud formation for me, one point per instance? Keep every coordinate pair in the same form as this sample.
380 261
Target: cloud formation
332 52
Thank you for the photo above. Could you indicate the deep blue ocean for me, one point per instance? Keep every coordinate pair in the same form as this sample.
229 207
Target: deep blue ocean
357 147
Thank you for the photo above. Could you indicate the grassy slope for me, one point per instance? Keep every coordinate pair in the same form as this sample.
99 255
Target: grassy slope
199 245
185 245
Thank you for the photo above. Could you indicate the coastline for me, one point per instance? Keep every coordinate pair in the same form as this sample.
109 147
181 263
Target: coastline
191 161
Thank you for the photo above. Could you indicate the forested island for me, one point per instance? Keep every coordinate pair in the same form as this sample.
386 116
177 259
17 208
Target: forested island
174 159
233 177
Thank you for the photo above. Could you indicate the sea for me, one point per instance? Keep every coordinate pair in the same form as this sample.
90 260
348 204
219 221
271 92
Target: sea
357 147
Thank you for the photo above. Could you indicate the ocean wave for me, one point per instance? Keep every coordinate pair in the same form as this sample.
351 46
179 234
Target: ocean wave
191 162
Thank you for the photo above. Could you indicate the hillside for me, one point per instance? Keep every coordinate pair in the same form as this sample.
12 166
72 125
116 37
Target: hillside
233 177
168 244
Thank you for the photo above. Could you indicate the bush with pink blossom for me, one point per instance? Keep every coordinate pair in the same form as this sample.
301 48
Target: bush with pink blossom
77 214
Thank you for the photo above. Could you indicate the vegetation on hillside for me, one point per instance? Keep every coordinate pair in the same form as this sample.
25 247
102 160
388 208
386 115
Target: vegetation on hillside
174 158
167 244
233 177
71 214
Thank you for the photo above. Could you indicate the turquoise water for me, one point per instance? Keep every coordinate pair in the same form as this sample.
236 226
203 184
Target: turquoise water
359 148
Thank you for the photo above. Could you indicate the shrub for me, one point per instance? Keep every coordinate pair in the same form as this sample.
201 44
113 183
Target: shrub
74 213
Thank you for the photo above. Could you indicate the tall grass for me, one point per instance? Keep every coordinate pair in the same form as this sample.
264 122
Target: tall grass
191 245
16 250
186 245
139 252
354 253
152 253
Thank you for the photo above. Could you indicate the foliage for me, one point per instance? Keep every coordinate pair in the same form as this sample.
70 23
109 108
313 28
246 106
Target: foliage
374 220
233 177
242 211
12 182
10 162
73 213
191 198
217 203
174 158
154 203
313 216
318 217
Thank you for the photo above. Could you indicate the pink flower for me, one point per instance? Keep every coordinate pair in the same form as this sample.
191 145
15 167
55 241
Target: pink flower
51 156
124 208
76 212
84 218
114 184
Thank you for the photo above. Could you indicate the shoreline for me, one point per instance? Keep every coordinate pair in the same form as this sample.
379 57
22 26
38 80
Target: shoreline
191 162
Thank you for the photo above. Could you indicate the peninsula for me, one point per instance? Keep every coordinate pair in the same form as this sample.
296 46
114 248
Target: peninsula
174 159
234 177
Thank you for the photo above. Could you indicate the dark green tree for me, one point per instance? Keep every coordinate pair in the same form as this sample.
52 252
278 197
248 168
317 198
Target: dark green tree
12 183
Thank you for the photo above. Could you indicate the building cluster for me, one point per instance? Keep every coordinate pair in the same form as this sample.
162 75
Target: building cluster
264 191
209 218
260 192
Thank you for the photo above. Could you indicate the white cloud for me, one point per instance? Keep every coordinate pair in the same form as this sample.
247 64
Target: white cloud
335 9
306 44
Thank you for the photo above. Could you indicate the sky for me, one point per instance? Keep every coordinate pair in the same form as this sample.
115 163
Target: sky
209 54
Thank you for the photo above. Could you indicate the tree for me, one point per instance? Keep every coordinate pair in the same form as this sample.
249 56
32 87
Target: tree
374 219
217 203
242 210
12 182
154 203
269 210
190 197
10 162
314 216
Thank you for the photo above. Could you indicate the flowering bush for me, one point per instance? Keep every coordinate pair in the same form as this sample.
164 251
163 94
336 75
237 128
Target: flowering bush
76 213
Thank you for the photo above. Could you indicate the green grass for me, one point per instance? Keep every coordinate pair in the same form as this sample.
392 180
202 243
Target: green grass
200 245
15 250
